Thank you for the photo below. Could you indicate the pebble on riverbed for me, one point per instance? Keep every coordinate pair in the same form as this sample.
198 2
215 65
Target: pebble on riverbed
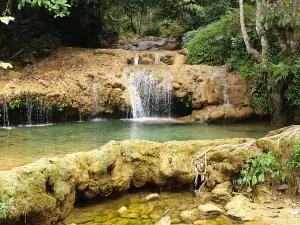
151 197
122 210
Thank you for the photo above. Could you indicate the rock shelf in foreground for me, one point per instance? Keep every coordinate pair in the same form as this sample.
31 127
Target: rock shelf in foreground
45 191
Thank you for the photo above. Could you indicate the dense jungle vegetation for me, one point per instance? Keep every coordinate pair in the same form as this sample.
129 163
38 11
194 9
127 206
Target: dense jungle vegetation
259 38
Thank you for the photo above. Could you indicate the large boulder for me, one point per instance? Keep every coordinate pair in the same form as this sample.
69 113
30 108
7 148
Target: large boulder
222 192
221 112
240 207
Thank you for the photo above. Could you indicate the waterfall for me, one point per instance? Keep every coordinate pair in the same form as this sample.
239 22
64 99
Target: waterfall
5 116
95 97
37 112
225 93
150 97
136 60
157 59
28 110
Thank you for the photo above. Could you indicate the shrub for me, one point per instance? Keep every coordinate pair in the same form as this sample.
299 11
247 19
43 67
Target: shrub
294 161
6 203
212 45
188 37
221 42
170 28
152 30
258 169
293 93
40 47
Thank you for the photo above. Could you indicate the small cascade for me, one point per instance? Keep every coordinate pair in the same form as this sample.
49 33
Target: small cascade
95 97
28 110
4 115
150 97
157 59
43 112
136 60
225 93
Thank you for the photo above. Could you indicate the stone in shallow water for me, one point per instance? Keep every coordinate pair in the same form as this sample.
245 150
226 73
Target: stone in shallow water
240 207
152 196
188 216
122 210
164 221
131 215
208 208
199 222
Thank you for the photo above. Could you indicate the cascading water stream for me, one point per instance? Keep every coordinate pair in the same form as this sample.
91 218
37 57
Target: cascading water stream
225 93
28 110
95 97
136 60
150 97
5 116
157 59
32 113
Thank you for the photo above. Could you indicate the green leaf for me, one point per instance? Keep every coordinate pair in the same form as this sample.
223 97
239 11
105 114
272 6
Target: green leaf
6 19
261 178
5 65
254 181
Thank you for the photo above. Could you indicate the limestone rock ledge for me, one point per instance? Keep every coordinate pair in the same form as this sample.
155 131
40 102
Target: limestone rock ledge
96 81
219 112
45 191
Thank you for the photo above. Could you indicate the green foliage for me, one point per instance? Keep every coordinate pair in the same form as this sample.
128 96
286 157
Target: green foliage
16 104
62 107
294 160
5 65
152 29
188 37
260 96
60 8
40 47
212 45
6 19
259 169
293 92
170 28
6 203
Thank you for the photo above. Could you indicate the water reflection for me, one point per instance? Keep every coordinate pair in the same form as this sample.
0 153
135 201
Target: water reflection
22 145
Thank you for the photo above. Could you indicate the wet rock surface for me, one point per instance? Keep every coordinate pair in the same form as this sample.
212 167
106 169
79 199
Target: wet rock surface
96 81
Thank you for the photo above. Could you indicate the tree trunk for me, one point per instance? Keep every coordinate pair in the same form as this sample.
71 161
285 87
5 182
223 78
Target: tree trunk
280 111
294 43
251 51
261 31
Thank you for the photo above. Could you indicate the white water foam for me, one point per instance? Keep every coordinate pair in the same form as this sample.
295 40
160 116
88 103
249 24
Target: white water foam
150 97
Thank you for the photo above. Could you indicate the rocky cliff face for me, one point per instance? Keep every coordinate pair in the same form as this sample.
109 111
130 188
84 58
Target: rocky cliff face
44 192
92 81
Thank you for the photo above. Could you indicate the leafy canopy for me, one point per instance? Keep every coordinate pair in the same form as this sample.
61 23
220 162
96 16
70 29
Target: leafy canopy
59 8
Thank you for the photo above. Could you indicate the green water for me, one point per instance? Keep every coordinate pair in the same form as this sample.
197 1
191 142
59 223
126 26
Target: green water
22 145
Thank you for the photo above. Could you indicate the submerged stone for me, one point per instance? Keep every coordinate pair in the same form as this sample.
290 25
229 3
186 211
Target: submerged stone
208 208
164 221
122 210
152 196
188 216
